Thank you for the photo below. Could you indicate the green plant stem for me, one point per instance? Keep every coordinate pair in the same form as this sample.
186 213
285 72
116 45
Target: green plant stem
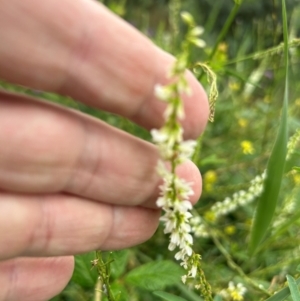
98 292
265 53
196 155
103 269
234 266
223 32
174 6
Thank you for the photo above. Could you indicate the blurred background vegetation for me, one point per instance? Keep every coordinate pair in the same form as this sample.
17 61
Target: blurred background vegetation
248 61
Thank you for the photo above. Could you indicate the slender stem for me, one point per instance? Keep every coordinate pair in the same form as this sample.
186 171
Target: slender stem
223 32
196 155
98 292
104 274
234 266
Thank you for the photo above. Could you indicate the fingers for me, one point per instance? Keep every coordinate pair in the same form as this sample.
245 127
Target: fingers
48 276
90 54
52 225
46 149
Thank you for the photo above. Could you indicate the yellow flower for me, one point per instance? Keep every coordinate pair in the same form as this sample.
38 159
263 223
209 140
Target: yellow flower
297 102
230 230
247 147
223 47
210 216
267 99
210 178
236 296
234 86
243 122
296 178
234 292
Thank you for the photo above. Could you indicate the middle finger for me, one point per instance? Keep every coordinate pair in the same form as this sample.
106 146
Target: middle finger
52 149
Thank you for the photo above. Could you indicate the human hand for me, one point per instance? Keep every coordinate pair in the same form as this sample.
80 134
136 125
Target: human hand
70 183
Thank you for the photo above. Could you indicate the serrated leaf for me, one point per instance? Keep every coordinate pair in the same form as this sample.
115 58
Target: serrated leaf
155 275
83 274
275 169
282 294
168 297
118 266
293 288
119 292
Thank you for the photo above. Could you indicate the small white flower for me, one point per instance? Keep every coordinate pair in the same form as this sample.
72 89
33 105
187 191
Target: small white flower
188 238
184 190
172 246
184 264
181 255
183 206
163 171
198 42
163 92
163 201
189 250
175 238
197 31
185 226
187 149
159 136
193 271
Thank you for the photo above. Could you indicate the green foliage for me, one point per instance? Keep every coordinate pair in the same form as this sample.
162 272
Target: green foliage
249 58
284 293
120 260
155 275
275 169
83 274
293 286
168 297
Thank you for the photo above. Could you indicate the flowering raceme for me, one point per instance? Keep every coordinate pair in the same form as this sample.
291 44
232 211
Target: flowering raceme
175 192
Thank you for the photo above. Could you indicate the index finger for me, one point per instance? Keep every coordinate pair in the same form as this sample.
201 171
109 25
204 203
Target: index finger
79 48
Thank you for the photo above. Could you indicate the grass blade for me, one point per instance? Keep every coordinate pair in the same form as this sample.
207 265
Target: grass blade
282 294
293 288
267 203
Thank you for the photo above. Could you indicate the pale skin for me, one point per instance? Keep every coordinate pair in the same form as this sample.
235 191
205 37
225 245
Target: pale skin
70 183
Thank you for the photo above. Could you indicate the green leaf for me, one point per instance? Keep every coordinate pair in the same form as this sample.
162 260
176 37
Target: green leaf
118 266
155 275
185 291
297 168
293 288
275 169
168 297
282 294
83 274
119 292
